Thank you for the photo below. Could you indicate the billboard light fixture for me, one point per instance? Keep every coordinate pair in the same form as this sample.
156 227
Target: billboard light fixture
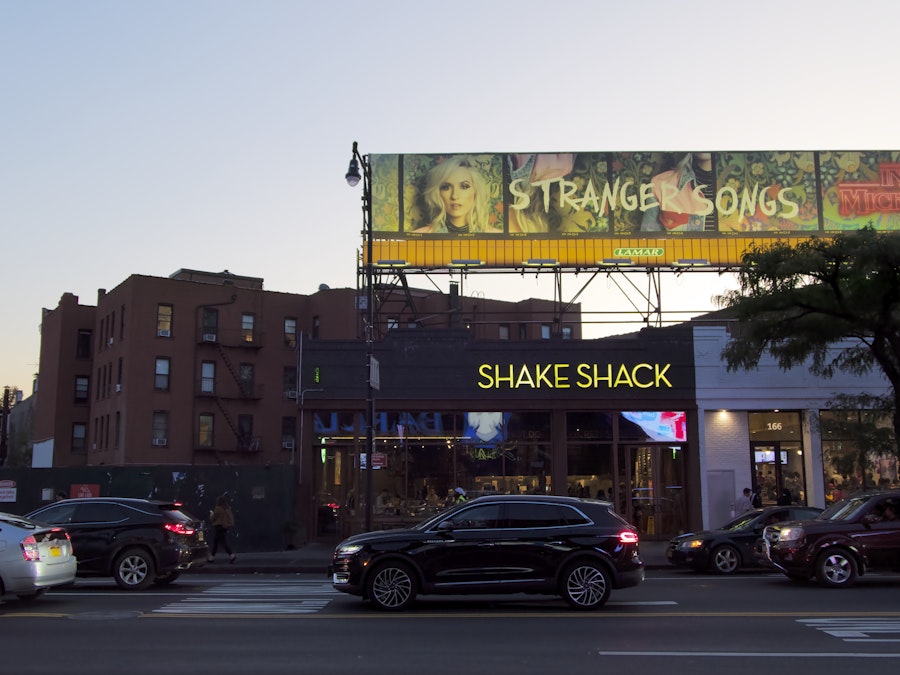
615 262
391 263
541 262
465 262
692 262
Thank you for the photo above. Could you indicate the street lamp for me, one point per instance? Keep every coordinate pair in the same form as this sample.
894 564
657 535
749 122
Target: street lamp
300 442
353 177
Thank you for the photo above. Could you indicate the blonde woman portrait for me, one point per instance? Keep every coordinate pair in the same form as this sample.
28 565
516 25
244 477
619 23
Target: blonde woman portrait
456 199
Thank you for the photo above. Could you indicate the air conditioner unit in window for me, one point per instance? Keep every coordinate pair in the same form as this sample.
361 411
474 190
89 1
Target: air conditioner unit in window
291 394
287 445
164 332
110 341
118 388
209 337
160 441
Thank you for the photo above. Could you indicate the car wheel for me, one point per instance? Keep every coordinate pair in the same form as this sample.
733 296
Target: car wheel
32 596
586 585
836 568
392 587
134 569
166 579
725 559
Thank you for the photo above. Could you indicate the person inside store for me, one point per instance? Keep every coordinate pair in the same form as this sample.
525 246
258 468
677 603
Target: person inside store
744 502
456 199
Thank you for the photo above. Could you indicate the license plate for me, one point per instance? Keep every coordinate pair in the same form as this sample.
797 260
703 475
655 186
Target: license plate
55 551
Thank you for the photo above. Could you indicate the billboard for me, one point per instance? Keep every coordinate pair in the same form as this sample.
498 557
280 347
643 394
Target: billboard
618 208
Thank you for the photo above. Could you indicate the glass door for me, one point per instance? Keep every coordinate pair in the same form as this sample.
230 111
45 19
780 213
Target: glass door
655 502
778 468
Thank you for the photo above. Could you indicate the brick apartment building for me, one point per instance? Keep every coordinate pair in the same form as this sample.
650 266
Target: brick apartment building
201 368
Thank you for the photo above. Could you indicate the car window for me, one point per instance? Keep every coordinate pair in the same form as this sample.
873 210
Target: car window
480 517
58 514
543 515
99 512
845 510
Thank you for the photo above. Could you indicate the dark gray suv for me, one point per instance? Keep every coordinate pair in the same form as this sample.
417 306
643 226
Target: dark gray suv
136 541
579 549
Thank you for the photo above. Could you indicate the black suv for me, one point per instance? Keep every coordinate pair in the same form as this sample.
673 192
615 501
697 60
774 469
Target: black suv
135 541
577 548
845 541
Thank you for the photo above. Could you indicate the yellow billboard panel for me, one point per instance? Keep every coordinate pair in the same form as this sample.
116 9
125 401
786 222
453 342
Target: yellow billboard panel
642 208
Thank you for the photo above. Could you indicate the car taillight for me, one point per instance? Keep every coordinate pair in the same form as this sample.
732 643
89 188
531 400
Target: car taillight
179 528
628 537
30 550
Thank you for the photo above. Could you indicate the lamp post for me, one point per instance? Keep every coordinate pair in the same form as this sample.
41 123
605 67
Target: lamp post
353 177
299 444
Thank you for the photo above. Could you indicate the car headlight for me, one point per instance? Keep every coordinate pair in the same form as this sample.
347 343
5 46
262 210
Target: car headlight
691 544
791 534
349 549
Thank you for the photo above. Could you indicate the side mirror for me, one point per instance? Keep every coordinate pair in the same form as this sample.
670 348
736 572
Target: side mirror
445 526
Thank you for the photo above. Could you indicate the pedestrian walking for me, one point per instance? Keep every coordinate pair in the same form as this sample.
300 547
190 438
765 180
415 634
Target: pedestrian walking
222 520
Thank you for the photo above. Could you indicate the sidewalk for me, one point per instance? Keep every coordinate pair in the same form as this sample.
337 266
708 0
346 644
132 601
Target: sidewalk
314 558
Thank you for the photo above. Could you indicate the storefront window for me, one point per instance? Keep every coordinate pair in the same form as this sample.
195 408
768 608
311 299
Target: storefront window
857 452
421 458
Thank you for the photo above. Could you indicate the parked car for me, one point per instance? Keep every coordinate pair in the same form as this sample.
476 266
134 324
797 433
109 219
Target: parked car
135 541
575 548
729 548
33 557
847 540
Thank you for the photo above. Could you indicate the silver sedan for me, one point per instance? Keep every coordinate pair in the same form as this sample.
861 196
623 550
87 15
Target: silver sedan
33 557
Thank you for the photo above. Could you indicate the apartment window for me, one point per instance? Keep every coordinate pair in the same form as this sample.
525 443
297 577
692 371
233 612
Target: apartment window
160 428
504 331
246 378
120 368
290 332
164 316
83 344
245 432
545 331
315 327
209 324
82 387
288 434
247 327
161 381
208 377
392 323
118 431
122 322
205 431
79 437
567 332
523 331
289 381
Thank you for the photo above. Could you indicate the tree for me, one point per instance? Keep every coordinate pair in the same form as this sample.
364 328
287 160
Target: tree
796 302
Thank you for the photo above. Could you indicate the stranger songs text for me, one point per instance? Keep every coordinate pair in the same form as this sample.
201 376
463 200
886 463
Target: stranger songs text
567 375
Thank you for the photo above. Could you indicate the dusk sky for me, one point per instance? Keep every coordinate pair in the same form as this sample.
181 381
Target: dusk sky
143 137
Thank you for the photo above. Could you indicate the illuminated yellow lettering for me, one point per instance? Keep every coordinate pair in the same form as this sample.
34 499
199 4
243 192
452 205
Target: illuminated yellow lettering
541 374
598 378
584 376
499 378
766 205
634 376
590 198
623 377
524 378
560 381
661 375
485 371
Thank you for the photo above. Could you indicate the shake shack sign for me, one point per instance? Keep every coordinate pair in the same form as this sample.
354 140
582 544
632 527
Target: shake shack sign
584 376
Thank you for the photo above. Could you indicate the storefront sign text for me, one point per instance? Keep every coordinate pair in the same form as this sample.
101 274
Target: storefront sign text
581 375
